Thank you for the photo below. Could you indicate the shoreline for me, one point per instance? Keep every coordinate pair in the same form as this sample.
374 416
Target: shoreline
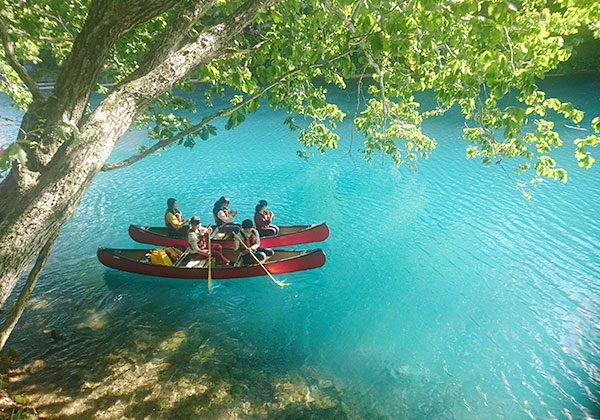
49 85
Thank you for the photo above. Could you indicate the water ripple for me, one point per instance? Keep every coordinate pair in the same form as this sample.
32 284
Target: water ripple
446 294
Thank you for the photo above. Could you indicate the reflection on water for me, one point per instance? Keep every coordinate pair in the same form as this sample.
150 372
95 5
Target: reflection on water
445 293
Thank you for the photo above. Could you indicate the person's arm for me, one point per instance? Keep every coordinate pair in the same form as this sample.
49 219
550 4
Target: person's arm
174 221
193 242
179 218
221 216
236 243
259 221
257 244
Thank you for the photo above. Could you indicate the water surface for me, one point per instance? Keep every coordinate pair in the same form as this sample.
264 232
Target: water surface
445 294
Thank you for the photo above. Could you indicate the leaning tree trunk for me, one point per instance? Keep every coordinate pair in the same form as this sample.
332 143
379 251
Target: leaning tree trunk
34 201
36 204
19 306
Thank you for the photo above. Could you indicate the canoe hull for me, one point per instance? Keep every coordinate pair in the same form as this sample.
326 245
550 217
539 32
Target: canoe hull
308 259
311 233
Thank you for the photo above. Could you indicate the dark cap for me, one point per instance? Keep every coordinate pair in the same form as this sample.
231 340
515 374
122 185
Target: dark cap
195 221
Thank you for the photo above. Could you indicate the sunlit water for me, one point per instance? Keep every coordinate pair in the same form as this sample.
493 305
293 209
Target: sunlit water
445 294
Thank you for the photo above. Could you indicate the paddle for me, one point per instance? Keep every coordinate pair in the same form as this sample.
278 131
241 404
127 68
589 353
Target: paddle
209 263
278 283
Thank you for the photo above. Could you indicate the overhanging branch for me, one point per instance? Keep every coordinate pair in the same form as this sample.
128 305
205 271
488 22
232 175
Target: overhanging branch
362 42
167 142
105 24
43 38
171 37
18 67
132 98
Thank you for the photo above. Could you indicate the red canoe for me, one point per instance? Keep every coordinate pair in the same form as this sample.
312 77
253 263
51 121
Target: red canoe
284 261
288 235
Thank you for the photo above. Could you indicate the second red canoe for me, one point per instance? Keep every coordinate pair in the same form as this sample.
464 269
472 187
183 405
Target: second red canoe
288 235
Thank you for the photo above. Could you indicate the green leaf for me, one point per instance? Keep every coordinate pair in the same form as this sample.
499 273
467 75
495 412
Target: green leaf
62 133
12 153
276 16
204 134
230 123
378 43
253 105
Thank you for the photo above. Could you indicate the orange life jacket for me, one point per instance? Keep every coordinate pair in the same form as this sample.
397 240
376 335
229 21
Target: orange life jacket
201 241
218 221
248 241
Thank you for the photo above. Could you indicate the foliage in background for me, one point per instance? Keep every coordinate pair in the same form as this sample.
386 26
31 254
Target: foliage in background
469 53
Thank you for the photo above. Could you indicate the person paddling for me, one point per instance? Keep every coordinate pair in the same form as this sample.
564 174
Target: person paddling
249 235
263 219
173 222
197 242
224 217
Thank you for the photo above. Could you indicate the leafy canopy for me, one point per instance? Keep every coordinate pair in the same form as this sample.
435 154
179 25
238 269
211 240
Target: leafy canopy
468 53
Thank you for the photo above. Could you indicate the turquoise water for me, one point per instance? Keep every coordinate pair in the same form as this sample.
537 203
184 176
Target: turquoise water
445 293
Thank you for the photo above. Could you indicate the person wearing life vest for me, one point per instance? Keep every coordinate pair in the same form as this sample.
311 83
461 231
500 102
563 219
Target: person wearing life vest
262 220
197 242
224 217
173 222
249 235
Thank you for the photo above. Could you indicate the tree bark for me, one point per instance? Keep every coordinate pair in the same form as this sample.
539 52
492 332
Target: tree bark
19 306
106 23
37 213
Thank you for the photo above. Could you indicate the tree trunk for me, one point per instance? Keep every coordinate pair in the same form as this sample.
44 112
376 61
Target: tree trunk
19 306
41 201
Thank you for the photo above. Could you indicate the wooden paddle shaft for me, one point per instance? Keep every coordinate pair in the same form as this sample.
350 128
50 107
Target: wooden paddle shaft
279 283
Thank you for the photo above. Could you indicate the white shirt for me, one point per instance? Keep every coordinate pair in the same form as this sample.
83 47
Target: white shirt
194 237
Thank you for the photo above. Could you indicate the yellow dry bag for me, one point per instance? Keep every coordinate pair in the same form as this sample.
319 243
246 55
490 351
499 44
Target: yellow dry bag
160 257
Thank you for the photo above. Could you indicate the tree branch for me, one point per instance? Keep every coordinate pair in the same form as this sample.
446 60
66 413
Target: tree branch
17 67
43 38
350 26
53 17
107 21
171 37
167 142
134 96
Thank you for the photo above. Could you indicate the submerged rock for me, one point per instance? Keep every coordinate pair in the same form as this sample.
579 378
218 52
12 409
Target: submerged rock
173 342
57 335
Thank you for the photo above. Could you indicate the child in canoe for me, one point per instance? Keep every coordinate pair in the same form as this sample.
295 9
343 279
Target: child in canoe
175 225
263 219
224 217
251 239
197 242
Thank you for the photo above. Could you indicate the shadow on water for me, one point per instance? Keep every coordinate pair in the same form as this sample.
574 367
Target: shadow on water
129 360
121 280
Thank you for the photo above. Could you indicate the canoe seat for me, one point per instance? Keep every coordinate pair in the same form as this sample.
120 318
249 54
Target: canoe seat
196 264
